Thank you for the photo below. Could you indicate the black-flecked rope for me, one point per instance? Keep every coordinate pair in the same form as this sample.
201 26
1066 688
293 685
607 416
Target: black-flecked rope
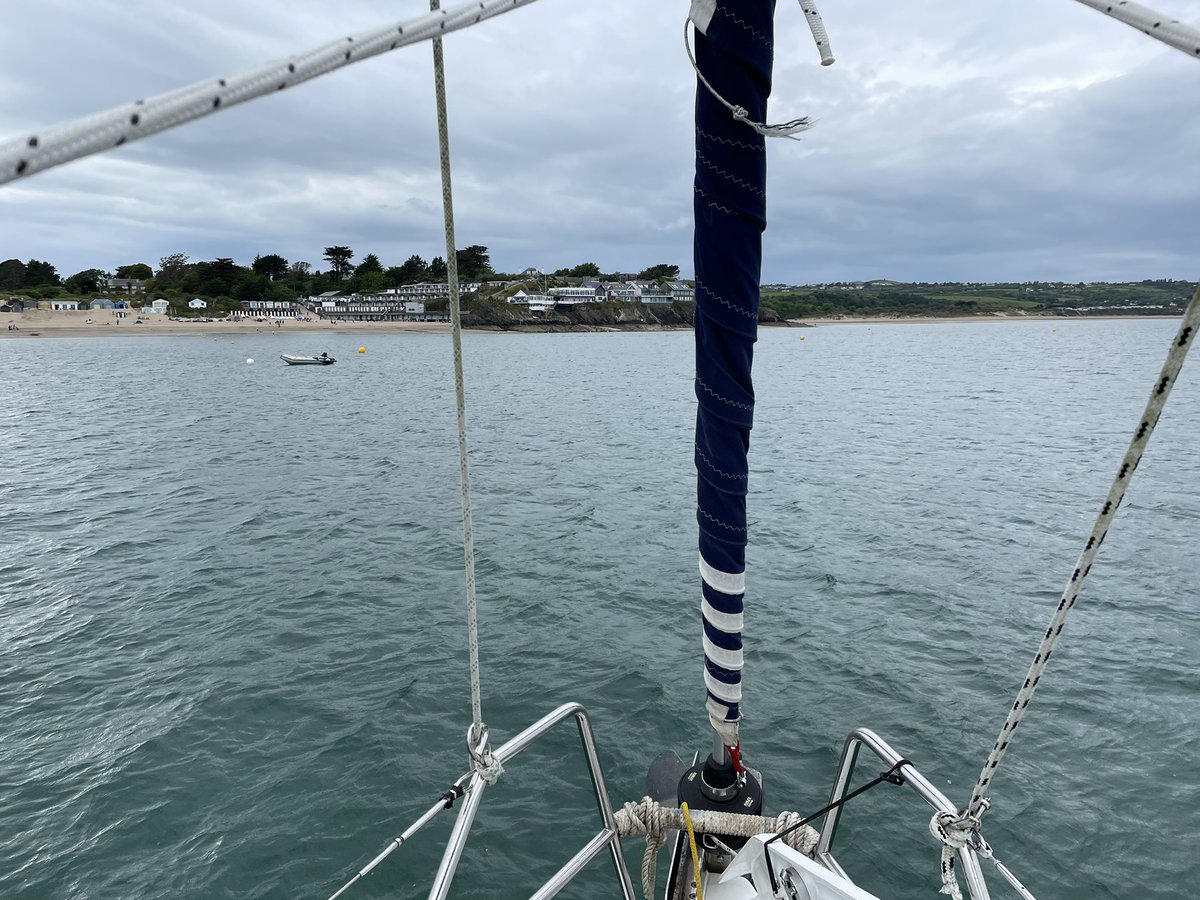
951 830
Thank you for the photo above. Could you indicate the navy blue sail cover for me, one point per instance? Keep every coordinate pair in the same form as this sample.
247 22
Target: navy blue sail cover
734 53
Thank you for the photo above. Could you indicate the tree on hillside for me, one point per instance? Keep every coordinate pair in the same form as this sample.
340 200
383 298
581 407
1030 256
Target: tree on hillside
370 264
12 273
252 287
371 282
413 271
140 271
171 270
583 270
86 282
661 272
339 260
270 266
214 279
437 268
38 273
474 263
299 268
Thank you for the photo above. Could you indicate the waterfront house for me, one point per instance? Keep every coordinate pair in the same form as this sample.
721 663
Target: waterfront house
197 303
126 285
622 291
681 290
60 304
386 306
535 302
568 296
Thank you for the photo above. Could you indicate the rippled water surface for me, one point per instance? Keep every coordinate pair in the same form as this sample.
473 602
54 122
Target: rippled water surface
232 640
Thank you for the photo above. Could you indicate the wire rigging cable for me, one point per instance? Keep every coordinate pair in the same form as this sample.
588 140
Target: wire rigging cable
62 143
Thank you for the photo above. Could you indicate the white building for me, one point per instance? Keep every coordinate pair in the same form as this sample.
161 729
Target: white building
627 291
535 302
197 303
681 290
572 295
267 309
64 304
158 307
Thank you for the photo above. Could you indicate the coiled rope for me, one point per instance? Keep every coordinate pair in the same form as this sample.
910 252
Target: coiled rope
650 818
62 143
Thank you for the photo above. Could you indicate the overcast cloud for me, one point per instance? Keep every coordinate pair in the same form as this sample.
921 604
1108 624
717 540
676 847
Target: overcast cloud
955 139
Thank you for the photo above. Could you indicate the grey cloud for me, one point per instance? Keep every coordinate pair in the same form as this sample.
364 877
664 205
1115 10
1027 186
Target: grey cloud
1032 139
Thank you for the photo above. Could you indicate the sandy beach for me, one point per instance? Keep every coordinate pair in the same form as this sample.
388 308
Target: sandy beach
102 323
952 320
70 323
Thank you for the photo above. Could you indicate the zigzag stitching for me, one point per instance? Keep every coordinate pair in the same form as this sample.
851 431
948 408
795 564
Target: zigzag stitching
749 314
714 205
726 400
708 462
745 25
719 522
729 142
740 182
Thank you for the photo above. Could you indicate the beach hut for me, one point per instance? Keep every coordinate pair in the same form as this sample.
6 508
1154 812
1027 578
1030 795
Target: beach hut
122 304
158 307
197 303
102 303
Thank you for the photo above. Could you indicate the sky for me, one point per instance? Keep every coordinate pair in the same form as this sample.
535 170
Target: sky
954 140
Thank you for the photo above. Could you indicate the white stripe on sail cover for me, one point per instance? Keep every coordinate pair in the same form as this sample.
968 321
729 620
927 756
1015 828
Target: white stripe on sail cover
725 582
726 659
730 693
730 623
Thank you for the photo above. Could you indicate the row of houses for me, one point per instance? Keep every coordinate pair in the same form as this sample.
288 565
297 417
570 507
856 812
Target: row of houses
600 291
157 307
393 305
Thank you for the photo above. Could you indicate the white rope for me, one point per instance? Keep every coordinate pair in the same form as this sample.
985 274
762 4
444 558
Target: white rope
477 739
957 830
62 143
740 113
650 818
954 832
817 26
1169 31
1133 456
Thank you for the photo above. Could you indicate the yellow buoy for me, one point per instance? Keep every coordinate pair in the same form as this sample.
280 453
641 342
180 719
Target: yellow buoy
362 349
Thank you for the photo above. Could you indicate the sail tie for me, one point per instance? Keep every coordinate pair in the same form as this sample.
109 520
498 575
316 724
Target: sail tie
700 20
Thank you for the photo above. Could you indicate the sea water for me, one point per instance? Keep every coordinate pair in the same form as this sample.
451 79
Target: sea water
232 629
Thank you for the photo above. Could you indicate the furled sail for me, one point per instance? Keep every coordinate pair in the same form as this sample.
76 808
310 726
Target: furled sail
734 57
